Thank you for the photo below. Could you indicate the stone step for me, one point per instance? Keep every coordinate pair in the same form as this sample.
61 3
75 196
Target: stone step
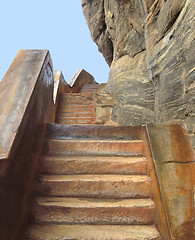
83 97
93 211
76 95
93 132
93 165
74 122
91 91
74 111
90 86
79 118
75 114
75 100
63 104
91 232
94 147
95 186
88 90
77 106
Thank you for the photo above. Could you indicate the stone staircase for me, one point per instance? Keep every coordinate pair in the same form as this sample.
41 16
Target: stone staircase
93 184
77 108
89 88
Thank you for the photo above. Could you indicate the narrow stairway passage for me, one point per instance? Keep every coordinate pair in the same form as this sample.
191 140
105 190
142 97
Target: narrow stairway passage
92 181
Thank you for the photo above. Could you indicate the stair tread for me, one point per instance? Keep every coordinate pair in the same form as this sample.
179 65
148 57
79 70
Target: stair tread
73 123
108 132
95 178
75 114
93 203
75 117
93 165
96 140
96 158
98 232
74 105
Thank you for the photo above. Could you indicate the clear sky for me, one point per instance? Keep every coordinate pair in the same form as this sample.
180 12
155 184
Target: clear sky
58 26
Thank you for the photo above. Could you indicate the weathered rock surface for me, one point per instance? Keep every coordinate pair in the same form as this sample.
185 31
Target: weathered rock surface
171 48
152 64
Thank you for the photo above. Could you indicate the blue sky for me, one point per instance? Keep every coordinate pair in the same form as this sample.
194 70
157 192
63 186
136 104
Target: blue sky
55 25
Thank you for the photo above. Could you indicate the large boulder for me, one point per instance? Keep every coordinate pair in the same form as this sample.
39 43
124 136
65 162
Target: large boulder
150 47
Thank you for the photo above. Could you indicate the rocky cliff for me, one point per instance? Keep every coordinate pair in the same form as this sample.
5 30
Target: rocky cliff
150 48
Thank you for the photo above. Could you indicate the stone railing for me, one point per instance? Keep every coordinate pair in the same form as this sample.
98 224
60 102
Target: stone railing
172 168
26 96
80 78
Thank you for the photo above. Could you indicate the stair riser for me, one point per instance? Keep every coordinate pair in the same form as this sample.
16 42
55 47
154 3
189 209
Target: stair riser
76 119
103 215
88 90
73 123
76 147
97 132
96 189
78 96
75 114
74 102
89 87
92 167
102 232
80 107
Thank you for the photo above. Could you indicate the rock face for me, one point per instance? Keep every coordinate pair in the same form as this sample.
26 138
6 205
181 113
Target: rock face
149 46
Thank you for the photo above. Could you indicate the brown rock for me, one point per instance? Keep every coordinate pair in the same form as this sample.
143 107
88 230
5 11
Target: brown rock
151 68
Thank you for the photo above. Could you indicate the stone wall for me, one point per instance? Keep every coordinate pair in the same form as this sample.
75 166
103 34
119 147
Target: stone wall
151 62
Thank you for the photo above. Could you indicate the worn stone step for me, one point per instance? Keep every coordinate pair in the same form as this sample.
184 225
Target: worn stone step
93 211
74 111
75 114
94 132
100 147
74 122
76 106
88 90
87 98
75 100
90 86
92 165
72 118
91 232
97 186
76 95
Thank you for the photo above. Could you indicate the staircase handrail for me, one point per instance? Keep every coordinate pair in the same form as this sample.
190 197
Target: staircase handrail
16 91
26 97
80 78
174 166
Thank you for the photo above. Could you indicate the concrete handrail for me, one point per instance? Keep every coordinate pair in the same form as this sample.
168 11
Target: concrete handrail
80 78
26 96
174 164
16 90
